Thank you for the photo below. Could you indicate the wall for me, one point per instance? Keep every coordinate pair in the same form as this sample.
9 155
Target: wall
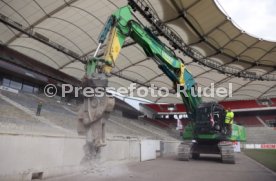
260 135
121 149
149 149
22 155
169 148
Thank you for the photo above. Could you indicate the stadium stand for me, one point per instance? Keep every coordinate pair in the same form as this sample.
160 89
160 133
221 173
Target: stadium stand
248 121
31 101
157 122
268 117
51 110
242 104
35 52
62 115
247 112
141 128
260 135
166 123
15 120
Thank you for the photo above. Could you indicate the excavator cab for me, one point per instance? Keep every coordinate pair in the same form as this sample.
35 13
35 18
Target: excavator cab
209 119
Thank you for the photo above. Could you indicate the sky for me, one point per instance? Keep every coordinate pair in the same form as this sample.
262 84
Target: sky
256 17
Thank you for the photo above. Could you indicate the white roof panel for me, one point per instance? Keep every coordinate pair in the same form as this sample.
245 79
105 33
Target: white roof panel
76 24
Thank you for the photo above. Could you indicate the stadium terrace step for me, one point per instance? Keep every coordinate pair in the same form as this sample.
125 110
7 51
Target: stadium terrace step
63 120
142 128
261 135
32 114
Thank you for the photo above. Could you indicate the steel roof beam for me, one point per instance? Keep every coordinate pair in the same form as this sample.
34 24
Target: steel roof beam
58 9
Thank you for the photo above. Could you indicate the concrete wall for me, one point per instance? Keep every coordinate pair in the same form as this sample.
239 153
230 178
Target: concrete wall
118 149
169 148
22 155
148 149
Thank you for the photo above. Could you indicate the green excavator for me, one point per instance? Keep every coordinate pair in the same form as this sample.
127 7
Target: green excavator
200 136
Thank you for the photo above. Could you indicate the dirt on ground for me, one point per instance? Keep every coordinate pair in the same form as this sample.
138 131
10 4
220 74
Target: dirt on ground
207 168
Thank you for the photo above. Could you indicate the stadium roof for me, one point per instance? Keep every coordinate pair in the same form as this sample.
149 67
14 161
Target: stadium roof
74 26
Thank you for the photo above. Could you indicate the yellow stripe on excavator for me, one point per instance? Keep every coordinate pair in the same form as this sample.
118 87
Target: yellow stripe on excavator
112 51
181 77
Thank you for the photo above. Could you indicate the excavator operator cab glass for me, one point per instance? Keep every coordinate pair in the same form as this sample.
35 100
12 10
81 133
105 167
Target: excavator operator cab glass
202 121
209 118
218 113
203 114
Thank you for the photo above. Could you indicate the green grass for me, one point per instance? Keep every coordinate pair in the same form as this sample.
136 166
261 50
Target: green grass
265 157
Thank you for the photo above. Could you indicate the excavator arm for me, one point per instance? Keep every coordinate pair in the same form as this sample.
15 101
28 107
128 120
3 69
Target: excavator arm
122 27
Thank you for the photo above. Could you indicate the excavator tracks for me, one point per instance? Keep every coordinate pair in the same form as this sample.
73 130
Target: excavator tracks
225 149
184 151
227 152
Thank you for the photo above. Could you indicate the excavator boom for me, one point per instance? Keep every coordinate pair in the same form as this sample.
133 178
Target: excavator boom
167 61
